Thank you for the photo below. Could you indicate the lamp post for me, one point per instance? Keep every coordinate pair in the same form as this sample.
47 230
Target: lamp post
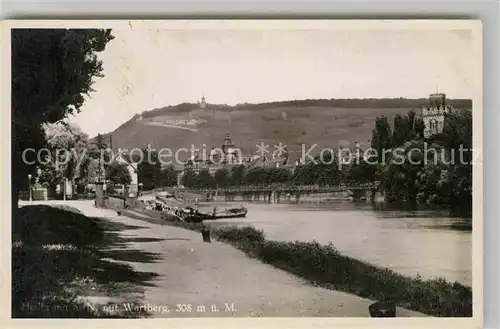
29 186
65 182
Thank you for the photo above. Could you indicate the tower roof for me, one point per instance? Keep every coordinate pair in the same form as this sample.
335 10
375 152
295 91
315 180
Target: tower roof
228 141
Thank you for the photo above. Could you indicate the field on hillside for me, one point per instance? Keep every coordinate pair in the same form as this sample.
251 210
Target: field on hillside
293 126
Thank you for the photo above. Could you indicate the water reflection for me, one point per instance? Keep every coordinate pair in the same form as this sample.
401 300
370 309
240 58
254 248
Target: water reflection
409 241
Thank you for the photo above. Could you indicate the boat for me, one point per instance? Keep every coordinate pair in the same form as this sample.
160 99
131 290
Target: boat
193 219
191 215
171 215
230 213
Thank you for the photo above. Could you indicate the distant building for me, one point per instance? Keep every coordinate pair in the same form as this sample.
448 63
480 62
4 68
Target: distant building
434 114
138 116
202 104
215 159
231 157
229 150
124 158
66 187
258 161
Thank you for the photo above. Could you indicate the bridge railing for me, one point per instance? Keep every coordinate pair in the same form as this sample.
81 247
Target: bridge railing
285 187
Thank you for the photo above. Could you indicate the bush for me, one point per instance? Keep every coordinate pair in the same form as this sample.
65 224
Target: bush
324 265
243 234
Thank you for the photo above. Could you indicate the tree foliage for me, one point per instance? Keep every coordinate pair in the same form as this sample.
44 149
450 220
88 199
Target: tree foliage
189 178
52 71
148 168
458 137
167 177
238 174
204 179
306 175
222 178
67 145
437 170
118 173
381 137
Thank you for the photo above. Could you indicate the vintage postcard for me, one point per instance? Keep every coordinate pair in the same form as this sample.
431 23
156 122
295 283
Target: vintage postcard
254 173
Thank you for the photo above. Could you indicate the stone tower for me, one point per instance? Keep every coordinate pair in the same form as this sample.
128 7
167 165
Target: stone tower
228 145
203 103
229 150
434 114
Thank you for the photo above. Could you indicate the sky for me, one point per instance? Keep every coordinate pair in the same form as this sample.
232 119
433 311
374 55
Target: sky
150 68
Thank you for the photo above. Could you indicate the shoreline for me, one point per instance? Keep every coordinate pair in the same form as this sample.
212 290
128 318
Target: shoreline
318 198
316 265
456 298
189 271
445 224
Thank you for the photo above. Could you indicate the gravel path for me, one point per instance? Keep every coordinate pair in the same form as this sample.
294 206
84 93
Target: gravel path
221 280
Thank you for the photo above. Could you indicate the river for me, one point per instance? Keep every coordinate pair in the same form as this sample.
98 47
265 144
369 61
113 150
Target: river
409 242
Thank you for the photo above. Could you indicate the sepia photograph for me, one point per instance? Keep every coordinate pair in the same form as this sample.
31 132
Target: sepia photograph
241 169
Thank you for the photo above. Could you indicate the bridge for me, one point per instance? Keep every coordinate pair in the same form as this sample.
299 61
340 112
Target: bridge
274 192
288 188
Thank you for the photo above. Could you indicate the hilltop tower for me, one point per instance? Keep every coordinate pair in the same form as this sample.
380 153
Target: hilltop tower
434 114
202 103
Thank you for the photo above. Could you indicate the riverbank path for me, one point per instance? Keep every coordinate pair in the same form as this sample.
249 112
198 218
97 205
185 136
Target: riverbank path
214 279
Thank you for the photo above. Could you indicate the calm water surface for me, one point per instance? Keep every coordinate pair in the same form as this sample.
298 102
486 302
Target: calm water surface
409 242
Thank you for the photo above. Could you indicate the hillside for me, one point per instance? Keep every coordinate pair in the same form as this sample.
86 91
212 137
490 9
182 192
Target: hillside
293 123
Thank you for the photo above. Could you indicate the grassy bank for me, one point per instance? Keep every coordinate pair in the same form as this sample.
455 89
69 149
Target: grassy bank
60 256
324 266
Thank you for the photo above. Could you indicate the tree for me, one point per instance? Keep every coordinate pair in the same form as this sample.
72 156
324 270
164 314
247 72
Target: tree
238 174
402 130
416 125
90 172
167 177
278 175
149 169
381 136
327 170
306 174
457 132
68 146
118 173
49 177
222 178
456 139
256 176
52 71
329 174
418 128
417 173
437 170
362 172
433 183
401 172
407 128
205 179
189 178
